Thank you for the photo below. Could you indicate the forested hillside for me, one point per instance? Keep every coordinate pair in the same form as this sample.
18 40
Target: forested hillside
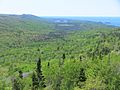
58 54
16 30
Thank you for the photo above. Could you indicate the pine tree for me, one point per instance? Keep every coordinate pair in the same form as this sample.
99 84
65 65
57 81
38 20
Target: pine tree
100 56
63 57
39 74
35 83
48 64
20 74
93 56
82 77
80 58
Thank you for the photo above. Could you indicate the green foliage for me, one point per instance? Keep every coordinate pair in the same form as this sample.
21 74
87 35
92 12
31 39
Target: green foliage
85 59
35 82
17 84
39 74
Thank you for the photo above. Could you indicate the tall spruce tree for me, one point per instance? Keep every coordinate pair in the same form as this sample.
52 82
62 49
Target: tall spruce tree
35 83
39 74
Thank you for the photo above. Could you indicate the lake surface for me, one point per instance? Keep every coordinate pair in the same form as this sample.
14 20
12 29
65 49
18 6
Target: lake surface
106 20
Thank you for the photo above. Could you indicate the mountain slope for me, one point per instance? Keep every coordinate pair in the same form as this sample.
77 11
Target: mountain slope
19 30
23 22
16 30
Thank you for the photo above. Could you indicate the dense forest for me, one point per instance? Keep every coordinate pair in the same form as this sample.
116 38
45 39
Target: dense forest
38 53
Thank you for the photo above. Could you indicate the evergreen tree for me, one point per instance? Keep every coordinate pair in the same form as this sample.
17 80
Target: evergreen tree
17 85
63 57
93 56
80 58
35 83
20 74
38 49
100 56
82 77
48 64
39 74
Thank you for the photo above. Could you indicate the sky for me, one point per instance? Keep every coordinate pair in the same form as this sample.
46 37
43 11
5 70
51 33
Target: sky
61 7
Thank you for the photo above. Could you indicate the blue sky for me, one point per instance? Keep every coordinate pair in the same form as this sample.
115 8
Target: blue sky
61 7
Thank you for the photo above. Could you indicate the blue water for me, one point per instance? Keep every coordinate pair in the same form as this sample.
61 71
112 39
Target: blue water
115 21
106 20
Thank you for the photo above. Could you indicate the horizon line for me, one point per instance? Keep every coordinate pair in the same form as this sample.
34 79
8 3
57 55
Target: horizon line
58 15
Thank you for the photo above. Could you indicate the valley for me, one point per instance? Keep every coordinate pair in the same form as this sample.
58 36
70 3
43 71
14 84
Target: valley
38 53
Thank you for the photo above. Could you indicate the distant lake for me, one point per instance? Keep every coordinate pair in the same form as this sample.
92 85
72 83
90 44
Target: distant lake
106 20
